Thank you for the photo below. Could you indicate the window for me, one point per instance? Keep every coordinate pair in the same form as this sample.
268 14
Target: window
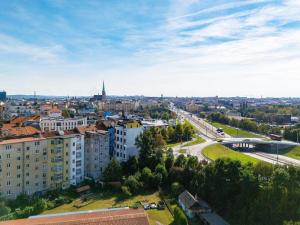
19 176
18 167
27 174
8 183
27 156
8 147
27 165
8 156
19 158
27 148
8 165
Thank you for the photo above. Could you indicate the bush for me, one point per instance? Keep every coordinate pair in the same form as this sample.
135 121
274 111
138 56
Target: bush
125 191
133 184
4 210
179 217
176 189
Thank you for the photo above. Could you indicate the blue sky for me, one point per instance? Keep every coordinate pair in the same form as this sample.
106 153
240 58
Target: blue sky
175 47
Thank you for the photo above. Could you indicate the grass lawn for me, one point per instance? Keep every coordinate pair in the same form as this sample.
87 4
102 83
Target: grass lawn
217 151
109 199
196 141
293 152
172 145
232 131
182 151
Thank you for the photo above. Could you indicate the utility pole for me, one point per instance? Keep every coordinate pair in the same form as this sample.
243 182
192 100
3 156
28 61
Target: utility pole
277 151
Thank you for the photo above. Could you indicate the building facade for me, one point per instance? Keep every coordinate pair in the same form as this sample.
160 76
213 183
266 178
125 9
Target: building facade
96 153
23 166
126 132
61 123
65 159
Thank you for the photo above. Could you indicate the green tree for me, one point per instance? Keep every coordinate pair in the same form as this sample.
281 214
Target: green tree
179 217
4 210
169 162
180 161
133 184
113 171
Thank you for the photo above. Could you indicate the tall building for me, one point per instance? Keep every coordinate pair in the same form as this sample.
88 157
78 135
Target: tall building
126 132
23 167
65 158
96 151
2 96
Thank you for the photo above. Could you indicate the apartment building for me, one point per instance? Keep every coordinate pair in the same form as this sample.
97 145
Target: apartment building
66 158
61 123
23 166
96 151
126 132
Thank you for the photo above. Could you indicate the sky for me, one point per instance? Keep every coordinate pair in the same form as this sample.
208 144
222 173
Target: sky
151 47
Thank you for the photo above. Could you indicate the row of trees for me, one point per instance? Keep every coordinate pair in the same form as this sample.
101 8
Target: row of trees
180 132
244 194
266 113
244 124
292 133
156 112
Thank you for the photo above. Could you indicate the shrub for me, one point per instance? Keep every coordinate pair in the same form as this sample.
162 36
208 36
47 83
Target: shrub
179 217
125 191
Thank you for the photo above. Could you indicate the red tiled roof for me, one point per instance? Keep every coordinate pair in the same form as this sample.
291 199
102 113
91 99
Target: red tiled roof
114 217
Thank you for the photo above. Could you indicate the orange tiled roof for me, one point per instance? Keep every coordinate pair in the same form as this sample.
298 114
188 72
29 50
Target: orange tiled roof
84 129
114 217
19 140
22 119
20 131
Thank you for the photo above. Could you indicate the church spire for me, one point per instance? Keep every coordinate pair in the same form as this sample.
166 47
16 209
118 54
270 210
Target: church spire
103 92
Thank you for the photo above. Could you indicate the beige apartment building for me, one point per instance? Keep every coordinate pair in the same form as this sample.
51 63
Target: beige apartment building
66 158
23 166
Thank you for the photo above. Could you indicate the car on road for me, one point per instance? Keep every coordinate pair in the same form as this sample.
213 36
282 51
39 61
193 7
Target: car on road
220 130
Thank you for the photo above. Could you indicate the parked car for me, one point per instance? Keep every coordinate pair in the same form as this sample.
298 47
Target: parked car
153 205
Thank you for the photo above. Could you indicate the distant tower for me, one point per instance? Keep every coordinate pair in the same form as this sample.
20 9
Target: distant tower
103 92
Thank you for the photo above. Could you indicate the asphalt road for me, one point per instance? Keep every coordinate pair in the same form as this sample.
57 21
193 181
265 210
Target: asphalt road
209 133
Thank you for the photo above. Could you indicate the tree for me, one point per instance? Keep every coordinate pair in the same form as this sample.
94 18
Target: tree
192 162
169 162
179 217
180 161
4 210
150 144
161 169
40 205
125 190
133 184
176 189
178 132
147 176
113 171
131 166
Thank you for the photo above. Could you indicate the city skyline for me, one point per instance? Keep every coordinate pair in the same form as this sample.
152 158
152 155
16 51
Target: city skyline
178 48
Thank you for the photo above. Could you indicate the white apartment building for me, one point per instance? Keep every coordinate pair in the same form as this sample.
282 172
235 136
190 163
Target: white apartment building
61 123
125 134
76 165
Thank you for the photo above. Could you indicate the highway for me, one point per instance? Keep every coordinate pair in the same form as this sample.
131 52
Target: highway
210 134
